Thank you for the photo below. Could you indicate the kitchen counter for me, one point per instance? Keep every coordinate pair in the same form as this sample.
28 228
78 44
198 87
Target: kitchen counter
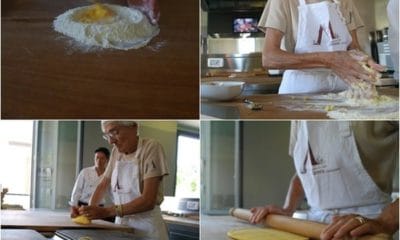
186 221
272 107
44 77
50 221
216 227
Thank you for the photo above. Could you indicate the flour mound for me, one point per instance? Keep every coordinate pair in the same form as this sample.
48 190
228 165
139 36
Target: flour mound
125 29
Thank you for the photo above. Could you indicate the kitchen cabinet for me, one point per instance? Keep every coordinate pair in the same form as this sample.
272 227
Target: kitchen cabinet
182 228
44 77
182 232
19 234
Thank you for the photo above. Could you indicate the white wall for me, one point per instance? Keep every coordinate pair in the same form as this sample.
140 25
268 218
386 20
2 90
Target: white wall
267 167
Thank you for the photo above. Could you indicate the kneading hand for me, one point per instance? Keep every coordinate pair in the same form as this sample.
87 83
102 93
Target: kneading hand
148 7
93 212
352 226
260 213
354 66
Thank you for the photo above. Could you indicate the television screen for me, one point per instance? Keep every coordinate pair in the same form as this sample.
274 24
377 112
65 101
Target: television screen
245 25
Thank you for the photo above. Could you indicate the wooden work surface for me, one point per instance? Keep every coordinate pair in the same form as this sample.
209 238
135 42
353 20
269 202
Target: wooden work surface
272 108
44 77
50 221
247 80
187 221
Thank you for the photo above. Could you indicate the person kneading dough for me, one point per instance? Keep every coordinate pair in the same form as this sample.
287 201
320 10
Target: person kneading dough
317 36
134 174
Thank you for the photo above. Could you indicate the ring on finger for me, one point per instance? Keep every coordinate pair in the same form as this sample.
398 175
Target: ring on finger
360 219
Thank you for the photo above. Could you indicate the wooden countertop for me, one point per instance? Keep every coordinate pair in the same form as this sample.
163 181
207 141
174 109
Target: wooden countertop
216 227
187 221
43 77
50 221
272 108
247 79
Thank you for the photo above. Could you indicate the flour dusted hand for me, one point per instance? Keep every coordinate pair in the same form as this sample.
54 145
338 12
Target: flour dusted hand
148 7
107 26
364 88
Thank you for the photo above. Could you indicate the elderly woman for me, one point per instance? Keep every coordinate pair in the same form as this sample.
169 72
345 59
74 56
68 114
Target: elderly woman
134 173
317 36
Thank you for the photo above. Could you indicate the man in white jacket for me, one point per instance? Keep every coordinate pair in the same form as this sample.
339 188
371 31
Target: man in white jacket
88 179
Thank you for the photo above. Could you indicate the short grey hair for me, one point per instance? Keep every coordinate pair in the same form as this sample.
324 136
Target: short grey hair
104 123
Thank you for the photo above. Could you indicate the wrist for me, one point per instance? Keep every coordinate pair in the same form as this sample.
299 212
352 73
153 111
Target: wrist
389 225
111 211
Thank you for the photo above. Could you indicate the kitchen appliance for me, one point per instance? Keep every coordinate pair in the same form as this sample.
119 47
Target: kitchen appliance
212 64
83 234
180 207
384 56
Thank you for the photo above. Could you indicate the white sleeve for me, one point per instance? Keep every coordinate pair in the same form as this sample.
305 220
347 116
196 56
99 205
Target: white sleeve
77 190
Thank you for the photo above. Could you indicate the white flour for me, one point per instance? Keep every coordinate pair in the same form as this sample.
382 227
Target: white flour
338 106
128 29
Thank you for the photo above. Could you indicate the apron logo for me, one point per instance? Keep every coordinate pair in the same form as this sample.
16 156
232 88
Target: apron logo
334 38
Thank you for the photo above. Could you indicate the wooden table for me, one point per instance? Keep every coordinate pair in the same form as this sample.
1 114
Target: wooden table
50 221
43 77
272 107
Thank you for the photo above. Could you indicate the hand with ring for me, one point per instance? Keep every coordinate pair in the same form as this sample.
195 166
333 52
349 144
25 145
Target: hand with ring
352 226
93 212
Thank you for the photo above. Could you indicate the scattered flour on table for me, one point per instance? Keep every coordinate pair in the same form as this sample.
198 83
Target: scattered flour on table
106 26
339 106
374 107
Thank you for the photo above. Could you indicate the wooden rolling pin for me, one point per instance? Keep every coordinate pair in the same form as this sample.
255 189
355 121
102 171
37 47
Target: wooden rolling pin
297 226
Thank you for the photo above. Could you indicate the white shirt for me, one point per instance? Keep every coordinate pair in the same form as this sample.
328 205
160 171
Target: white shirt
85 185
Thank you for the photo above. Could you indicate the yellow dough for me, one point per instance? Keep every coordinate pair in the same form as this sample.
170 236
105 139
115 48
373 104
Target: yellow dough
81 220
262 234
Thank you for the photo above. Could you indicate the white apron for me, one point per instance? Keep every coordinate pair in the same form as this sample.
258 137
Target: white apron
321 28
126 187
332 174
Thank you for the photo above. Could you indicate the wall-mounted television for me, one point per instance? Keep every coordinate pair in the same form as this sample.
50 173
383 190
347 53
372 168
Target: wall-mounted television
245 25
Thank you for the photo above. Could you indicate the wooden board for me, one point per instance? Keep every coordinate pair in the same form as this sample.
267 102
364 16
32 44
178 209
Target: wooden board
50 221
272 107
43 77
19 234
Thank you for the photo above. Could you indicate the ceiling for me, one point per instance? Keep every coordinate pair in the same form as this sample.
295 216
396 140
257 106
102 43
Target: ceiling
232 5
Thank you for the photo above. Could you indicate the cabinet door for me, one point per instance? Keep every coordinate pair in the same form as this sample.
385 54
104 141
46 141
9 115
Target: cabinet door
182 232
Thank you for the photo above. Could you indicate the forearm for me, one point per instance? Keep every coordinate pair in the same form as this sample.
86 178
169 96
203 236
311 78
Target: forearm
390 217
279 59
294 195
98 194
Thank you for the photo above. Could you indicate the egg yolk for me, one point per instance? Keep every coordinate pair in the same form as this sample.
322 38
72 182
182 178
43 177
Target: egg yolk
95 13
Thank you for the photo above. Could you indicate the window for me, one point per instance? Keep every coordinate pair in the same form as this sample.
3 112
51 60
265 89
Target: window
188 165
15 172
